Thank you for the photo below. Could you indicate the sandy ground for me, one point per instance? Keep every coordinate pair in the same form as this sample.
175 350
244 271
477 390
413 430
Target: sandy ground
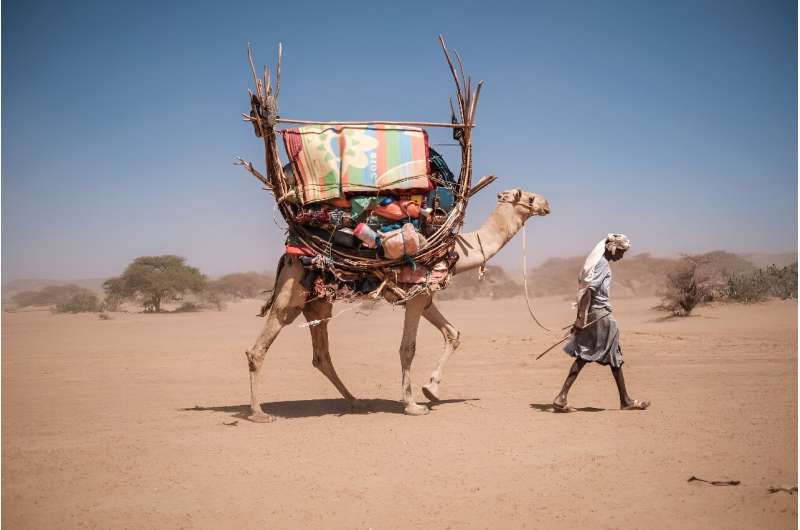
137 422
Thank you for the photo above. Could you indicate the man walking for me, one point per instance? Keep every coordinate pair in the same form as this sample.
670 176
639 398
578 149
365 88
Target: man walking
595 335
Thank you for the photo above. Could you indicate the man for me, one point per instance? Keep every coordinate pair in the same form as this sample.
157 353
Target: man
595 336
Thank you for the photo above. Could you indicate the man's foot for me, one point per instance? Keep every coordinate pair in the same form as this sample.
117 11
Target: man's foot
560 405
636 405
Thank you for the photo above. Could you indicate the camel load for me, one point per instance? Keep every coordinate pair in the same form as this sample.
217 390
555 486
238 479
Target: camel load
370 206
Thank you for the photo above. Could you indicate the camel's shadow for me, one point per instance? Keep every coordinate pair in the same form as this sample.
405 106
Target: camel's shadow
307 408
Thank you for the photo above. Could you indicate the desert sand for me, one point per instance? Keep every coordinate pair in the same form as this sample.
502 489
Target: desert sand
139 422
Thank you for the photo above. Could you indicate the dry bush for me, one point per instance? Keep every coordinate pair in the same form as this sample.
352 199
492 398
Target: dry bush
240 285
757 286
188 307
700 278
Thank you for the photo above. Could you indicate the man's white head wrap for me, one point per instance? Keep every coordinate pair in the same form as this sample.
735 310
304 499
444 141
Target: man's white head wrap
612 243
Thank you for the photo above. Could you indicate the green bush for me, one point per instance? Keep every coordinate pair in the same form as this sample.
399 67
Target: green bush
51 295
82 302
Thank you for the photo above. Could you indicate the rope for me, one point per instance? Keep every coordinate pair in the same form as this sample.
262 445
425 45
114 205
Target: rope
525 277
482 268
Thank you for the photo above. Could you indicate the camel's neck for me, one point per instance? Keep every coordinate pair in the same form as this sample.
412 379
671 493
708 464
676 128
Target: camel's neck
476 248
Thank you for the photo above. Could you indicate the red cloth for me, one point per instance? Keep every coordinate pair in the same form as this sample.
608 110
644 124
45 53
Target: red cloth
293 250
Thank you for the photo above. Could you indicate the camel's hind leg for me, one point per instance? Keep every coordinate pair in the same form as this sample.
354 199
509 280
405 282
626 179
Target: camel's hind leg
321 310
287 303
451 342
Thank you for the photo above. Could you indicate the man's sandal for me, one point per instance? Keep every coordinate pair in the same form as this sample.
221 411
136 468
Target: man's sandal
637 405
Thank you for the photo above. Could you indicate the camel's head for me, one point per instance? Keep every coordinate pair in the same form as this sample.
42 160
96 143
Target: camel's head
525 203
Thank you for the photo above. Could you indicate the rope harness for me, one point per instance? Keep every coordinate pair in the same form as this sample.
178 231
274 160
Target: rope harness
525 278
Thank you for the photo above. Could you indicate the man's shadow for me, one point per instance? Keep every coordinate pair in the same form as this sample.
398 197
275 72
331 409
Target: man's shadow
307 408
548 407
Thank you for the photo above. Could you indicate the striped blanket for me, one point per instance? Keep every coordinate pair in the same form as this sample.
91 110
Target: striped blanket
333 161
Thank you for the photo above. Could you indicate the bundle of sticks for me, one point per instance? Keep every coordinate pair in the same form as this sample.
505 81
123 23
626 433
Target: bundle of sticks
266 121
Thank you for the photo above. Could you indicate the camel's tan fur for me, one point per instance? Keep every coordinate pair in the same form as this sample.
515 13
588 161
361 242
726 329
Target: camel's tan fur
289 300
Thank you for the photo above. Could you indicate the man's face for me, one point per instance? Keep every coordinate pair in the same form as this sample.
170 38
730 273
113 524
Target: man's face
617 255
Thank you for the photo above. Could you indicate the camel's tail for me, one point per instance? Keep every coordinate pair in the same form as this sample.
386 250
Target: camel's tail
268 304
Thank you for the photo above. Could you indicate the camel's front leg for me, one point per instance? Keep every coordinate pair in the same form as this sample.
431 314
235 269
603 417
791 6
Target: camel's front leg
276 320
408 345
287 302
451 342
320 310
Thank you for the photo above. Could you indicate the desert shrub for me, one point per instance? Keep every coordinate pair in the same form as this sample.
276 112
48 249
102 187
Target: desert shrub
152 280
240 285
688 285
188 307
82 302
507 289
52 295
212 299
756 286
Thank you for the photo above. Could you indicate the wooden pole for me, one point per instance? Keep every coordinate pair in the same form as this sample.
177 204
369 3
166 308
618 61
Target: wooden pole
377 122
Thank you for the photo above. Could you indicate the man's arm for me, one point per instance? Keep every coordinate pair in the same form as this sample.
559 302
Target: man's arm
583 309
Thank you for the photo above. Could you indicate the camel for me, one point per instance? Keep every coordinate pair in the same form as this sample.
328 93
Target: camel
290 298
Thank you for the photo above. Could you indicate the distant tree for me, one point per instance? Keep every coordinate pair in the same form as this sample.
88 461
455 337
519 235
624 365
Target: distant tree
151 280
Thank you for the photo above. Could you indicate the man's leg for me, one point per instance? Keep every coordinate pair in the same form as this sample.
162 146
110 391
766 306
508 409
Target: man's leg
560 402
625 401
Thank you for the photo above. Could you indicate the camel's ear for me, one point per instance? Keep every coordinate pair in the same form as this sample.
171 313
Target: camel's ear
517 195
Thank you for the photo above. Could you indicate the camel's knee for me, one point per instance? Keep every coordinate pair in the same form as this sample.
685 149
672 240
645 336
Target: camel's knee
318 362
453 337
254 359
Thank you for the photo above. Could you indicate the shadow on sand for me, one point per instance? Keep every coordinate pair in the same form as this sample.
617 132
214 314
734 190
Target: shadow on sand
548 407
307 408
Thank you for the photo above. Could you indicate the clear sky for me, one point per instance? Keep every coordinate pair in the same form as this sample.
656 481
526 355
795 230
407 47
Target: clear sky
673 122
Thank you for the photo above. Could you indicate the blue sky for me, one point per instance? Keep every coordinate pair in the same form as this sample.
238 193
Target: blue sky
673 122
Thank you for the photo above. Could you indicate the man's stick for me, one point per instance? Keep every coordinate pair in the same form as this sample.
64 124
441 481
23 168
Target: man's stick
568 335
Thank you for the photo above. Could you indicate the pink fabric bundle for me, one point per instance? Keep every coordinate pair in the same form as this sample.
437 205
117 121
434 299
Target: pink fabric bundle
403 242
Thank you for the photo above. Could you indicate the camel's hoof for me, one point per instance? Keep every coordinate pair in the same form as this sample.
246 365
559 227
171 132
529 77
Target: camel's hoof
416 410
431 391
260 417
359 406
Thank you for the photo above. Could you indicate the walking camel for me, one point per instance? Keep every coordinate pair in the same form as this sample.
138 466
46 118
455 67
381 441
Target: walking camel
290 298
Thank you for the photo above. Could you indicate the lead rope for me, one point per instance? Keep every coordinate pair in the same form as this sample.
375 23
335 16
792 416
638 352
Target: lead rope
525 277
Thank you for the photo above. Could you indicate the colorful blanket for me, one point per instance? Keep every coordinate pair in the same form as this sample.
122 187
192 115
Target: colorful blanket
333 161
